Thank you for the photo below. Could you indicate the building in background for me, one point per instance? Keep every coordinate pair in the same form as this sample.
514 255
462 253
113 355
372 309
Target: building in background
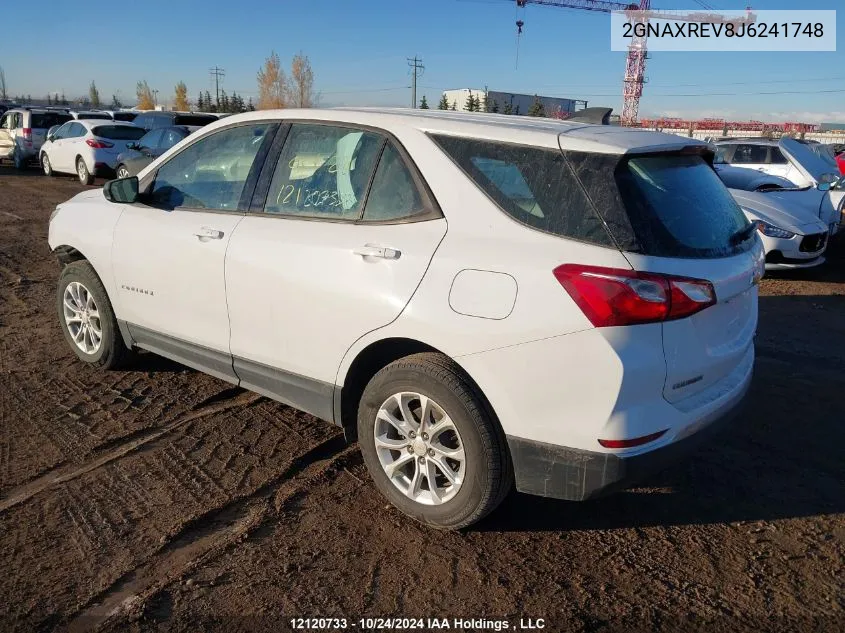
832 127
514 102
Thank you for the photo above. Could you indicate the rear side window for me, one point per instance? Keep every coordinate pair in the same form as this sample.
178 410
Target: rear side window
393 194
777 157
533 185
47 120
678 207
118 132
750 154
194 120
125 116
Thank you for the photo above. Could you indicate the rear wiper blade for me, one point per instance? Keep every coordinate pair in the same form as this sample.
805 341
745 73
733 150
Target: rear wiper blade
743 234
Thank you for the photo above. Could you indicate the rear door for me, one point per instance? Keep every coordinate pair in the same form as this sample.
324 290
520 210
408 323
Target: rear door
7 142
342 235
43 121
690 226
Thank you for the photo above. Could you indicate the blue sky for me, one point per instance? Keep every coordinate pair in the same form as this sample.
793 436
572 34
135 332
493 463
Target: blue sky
358 49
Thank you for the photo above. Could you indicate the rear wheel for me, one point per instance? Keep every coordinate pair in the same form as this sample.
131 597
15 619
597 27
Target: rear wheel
82 172
87 318
122 171
46 166
431 444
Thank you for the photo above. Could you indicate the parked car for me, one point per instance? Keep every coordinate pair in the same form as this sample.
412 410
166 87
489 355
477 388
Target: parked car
825 202
91 115
840 162
154 119
144 151
87 148
440 285
793 237
786 157
23 131
122 115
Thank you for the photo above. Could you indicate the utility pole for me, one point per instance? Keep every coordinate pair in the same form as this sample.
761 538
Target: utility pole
218 74
155 97
417 68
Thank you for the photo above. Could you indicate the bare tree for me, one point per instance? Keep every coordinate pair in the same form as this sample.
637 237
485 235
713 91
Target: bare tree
3 94
273 88
181 100
94 95
145 96
302 82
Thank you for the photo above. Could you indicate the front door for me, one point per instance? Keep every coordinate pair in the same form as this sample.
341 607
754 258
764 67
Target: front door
345 237
169 250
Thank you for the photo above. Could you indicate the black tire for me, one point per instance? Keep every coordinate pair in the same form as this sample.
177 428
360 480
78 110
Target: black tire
488 476
112 352
85 177
46 166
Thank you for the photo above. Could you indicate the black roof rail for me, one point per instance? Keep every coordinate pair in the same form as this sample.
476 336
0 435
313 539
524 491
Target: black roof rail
600 116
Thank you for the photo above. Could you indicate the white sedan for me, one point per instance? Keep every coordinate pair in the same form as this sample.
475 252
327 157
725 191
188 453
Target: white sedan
87 148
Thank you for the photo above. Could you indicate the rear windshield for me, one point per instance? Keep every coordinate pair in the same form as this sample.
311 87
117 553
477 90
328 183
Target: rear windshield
195 120
125 116
89 116
47 120
119 132
678 206
668 205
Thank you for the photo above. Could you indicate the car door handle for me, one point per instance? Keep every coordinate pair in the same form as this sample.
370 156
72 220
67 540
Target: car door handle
373 251
209 233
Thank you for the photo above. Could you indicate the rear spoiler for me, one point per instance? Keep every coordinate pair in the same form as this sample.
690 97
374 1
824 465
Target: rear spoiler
598 116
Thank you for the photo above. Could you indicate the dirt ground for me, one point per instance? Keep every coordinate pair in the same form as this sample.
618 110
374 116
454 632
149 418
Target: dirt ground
164 499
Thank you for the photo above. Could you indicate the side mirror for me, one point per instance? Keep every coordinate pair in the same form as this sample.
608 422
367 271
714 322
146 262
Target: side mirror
51 137
122 190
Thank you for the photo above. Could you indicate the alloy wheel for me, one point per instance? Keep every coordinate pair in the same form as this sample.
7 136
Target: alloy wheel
419 448
82 318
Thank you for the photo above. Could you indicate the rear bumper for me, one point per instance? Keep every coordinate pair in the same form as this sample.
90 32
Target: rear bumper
102 170
572 474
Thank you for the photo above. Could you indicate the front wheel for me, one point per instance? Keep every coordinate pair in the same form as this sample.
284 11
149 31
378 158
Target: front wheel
122 172
46 166
82 172
431 444
87 318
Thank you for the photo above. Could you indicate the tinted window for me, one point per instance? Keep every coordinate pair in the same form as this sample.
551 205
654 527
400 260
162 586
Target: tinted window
76 130
160 120
93 116
750 154
211 173
170 137
777 157
723 153
125 116
47 120
63 131
151 139
323 171
678 206
393 194
118 132
6 122
142 120
194 120
533 185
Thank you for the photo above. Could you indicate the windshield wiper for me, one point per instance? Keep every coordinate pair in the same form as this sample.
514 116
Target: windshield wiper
743 234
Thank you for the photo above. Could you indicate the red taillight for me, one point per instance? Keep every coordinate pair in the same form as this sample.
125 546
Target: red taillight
98 144
27 134
617 296
636 441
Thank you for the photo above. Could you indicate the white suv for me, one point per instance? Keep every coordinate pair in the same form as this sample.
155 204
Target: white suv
480 300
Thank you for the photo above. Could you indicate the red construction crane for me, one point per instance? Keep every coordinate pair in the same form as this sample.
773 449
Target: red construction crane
637 49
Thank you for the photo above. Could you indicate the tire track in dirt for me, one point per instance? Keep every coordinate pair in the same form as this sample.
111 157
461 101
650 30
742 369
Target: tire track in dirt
209 534
64 474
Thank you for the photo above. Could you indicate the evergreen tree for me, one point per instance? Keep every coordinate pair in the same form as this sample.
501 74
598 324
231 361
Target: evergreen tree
49 99
486 104
444 103
64 101
250 106
115 103
516 110
454 105
424 103
200 106
495 107
209 105
508 108
223 104
537 108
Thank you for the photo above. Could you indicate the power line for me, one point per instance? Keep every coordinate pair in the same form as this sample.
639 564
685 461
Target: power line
417 69
218 74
